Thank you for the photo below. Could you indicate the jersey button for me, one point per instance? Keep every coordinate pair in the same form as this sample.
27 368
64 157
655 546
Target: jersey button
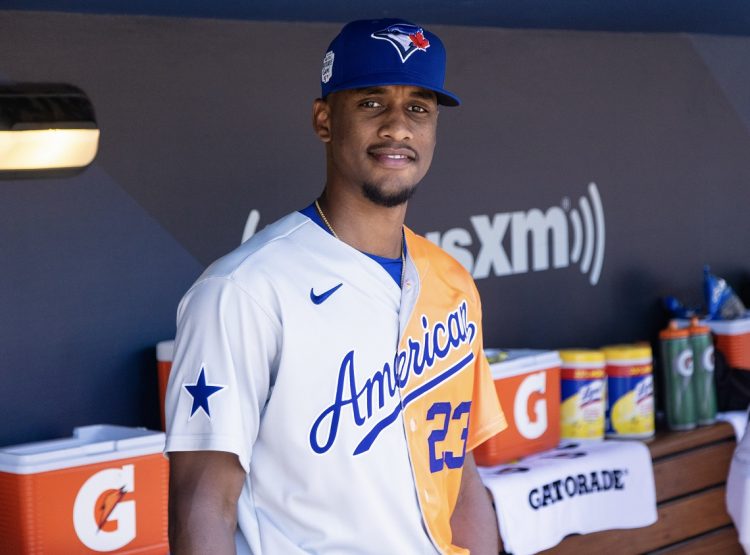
413 425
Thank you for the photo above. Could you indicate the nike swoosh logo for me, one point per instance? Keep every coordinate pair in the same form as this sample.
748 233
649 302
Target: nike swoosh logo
317 299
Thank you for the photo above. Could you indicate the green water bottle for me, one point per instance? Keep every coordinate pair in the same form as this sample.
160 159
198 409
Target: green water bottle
677 366
703 372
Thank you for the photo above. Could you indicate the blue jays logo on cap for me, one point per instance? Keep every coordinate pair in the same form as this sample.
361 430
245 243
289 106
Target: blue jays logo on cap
354 60
405 38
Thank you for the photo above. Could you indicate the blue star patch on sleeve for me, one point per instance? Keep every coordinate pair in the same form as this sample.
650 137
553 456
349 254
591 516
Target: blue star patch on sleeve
200 392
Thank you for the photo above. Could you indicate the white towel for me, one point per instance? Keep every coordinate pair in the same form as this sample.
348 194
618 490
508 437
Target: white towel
738 420
580 487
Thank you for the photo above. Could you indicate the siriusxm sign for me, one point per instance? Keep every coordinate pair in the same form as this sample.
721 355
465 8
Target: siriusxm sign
534 240
519 242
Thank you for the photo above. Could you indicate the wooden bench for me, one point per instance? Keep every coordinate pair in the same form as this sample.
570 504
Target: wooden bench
690 471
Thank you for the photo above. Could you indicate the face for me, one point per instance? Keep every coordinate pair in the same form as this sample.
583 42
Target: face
379 140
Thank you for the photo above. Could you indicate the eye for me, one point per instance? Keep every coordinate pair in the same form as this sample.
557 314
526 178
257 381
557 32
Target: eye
371 104
418 109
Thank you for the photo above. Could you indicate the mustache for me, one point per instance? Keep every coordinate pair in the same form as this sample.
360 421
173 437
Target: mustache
392 145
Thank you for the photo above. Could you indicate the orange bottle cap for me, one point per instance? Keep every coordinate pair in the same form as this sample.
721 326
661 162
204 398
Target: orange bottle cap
673 331
696 328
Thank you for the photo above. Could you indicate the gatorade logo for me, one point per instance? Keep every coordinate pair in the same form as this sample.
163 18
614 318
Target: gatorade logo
528 428
708 359
683 364
102 520
563 234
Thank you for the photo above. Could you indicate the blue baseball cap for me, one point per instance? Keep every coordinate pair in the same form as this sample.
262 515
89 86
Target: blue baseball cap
369 53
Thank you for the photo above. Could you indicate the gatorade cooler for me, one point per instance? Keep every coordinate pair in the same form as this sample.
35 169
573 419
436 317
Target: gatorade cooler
104 490
528 386
164 356
732 338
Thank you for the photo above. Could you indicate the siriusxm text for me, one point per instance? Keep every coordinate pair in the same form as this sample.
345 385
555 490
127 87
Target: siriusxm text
508 243
492 257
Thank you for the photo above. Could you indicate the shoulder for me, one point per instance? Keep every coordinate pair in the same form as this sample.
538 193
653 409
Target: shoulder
256 268
434 261
272 245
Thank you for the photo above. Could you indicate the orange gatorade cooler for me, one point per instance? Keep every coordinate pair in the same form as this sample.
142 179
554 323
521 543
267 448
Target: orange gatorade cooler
583 390
731 337
528 386
630 391
104 490
164 356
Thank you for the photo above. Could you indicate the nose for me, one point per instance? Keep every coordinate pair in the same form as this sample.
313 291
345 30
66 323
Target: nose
395 125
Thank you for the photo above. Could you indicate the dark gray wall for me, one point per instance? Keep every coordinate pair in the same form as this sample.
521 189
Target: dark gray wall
203 121
668 16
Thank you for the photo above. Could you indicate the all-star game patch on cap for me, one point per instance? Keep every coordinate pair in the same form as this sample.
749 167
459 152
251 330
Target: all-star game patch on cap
370 53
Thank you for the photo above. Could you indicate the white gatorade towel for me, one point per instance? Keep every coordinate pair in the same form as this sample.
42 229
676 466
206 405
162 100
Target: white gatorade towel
580 487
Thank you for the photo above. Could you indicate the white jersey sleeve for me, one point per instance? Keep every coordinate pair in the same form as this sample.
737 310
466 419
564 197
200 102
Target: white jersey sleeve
225 350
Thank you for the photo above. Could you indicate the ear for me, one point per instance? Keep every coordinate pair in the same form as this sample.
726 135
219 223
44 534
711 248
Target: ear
322 120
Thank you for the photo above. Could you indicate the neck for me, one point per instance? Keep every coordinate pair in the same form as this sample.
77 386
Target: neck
362 224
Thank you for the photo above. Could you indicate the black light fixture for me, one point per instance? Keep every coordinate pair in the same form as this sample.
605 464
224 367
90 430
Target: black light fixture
46 129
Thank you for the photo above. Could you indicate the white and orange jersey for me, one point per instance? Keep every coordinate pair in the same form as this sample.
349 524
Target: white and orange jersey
350 402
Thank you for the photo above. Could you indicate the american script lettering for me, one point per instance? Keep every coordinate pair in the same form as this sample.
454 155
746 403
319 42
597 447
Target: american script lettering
363 402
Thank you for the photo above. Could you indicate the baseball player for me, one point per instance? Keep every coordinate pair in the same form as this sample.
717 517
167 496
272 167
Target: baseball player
329 383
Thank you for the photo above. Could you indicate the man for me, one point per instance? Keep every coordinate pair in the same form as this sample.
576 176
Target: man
329 383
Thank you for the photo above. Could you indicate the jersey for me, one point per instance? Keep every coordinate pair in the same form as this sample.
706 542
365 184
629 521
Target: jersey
351 403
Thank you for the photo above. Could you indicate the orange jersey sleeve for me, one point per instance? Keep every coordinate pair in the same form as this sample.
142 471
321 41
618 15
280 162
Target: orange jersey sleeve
487 416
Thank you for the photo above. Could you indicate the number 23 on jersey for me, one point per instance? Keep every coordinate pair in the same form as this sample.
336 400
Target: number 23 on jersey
450 420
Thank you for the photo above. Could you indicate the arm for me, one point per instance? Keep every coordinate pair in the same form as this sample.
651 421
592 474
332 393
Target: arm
473 521
203 490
